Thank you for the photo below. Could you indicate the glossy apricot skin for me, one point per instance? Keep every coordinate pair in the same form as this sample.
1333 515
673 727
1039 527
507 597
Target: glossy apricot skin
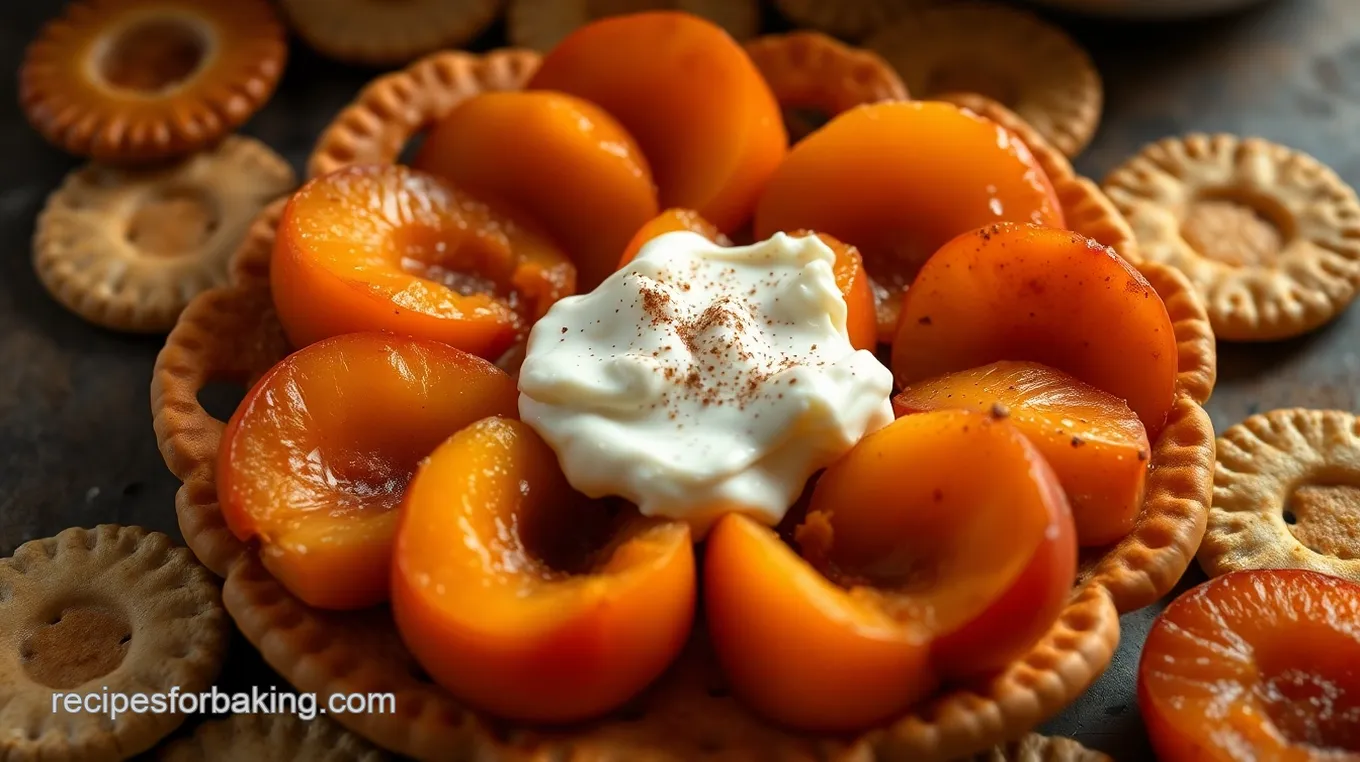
561 160
851 279
1095 444
1025 292
387 248
707 122
898 180
317 457
914 570
484 610
1261 664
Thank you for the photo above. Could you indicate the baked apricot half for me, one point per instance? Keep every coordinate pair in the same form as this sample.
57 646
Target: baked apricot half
387 248
940 546
1259 665
706 120
562 161
320 451
898 180
851 279
523 597
1094 442
1026 292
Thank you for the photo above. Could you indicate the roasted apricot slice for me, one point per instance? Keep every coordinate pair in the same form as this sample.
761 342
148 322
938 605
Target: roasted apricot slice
849 268
1096 445
1025 292
319 454
898 180
940 546
561 160
706 120
386 248
524 598
1255 665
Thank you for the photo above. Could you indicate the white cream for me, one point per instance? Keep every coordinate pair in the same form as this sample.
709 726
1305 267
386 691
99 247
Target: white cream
701 379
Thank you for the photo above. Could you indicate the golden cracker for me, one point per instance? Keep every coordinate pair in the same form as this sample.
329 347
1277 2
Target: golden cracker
271 736
541 24
128 248
847 19
104 610
1011 56
172 77
381 32
1268 235
1037 748
1287 495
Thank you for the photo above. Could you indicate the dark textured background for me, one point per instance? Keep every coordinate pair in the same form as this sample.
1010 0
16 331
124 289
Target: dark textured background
76 446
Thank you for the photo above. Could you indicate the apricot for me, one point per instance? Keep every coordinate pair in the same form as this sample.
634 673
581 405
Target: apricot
386 248
1094 442
524 598
1025 292
559 159
860 322
707 122
320 451
940 546
1260 664
898 180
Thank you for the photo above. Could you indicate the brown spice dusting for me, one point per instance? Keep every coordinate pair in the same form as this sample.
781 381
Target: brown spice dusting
1000 411
1078 441
1142 455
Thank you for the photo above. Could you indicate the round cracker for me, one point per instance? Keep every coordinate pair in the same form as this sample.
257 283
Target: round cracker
271 736
848 19
541 24
1037 748
1030 66
115 610
137 80
1268 235
1287 495
381 32
128 248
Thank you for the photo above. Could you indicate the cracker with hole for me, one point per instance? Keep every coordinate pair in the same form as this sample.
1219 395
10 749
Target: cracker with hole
271 736
1031 67
128 248
1287 495
1269 236
379 33
140 80
96 612
541 24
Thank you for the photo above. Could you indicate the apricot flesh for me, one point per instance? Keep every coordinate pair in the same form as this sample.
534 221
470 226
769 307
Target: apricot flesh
707 122
1094 442
900 179
672 221
320 451
1261 664
1025 292
387 248
524 598
916 569
559 159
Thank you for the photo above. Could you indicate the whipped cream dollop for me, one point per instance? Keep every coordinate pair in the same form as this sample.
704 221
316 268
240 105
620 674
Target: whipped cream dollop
701 379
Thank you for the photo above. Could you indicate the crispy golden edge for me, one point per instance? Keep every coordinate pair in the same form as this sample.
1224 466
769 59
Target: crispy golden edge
315 21
811 70
393 108
1196 350
1237 511
239 735
1037 748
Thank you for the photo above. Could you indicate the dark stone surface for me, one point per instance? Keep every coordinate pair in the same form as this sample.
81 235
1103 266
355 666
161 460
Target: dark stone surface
76 446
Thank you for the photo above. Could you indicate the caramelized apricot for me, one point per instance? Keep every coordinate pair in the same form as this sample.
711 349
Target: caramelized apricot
916 569
386 248
1096 445
898 180
854 285
319 454
1255 665
522 597
706 120
561 160
1025 292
